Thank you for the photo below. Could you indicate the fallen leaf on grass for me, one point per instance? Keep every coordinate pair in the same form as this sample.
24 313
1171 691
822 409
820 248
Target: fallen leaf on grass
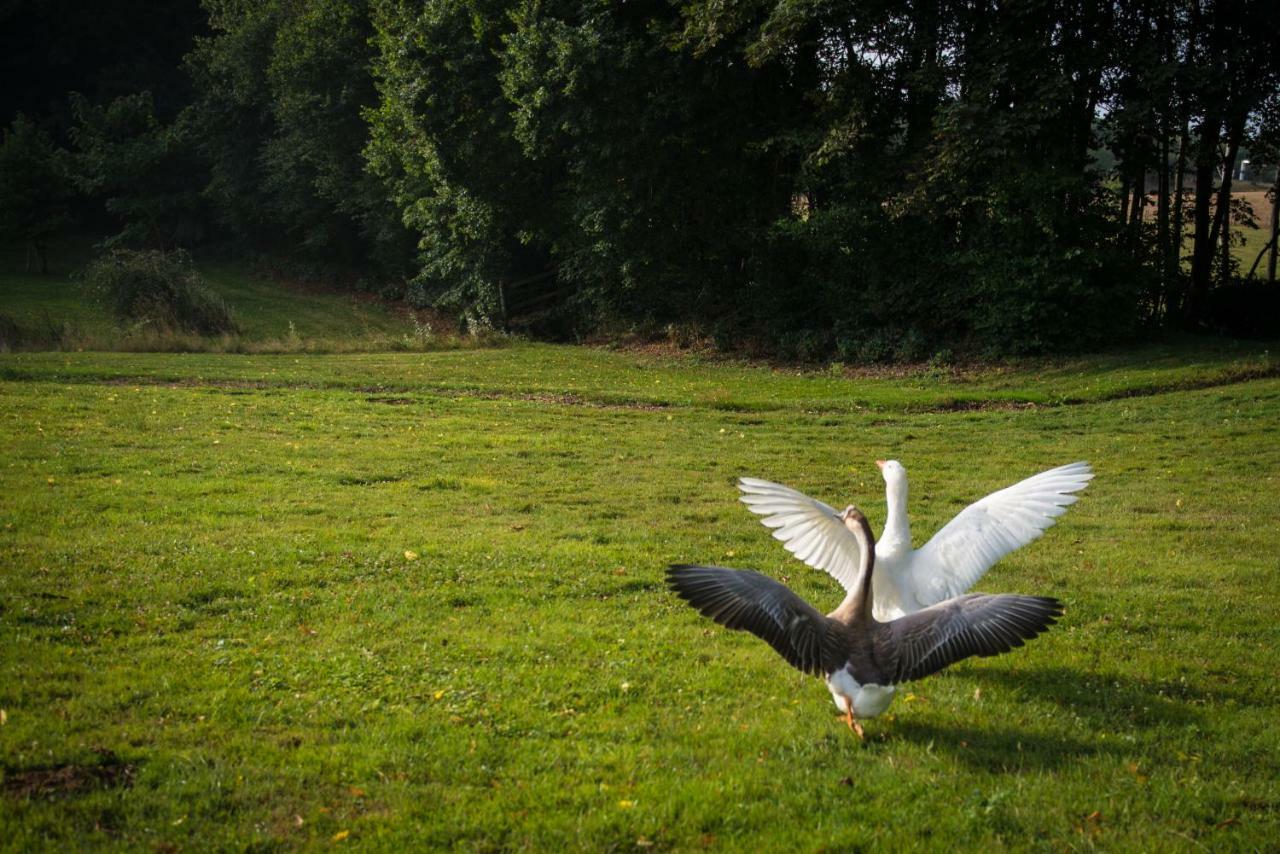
341 835
408 555
626 805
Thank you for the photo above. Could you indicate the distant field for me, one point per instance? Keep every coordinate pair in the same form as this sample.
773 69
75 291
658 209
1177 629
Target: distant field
414 600
1255 238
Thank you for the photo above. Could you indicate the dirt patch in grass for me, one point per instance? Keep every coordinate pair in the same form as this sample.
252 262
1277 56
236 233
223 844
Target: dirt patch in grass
532 397
72 779
230 385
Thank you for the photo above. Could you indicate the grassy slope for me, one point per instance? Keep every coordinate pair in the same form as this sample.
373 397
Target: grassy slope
211 581
264 309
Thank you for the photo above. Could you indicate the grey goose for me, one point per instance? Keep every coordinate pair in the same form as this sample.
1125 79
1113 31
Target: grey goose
862 658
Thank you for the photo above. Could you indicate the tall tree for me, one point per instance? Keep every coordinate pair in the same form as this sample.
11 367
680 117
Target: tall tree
281 92
144 170
443 140
36 187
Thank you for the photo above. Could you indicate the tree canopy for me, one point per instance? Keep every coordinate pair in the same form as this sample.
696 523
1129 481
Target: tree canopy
869 180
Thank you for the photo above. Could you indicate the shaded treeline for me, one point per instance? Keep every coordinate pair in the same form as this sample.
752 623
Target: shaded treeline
869 180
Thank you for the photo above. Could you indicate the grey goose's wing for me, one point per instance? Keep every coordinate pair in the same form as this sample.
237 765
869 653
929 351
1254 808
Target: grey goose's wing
978 624
746 600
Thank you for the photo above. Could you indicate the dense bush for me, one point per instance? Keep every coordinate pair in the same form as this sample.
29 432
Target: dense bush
161 289
12 334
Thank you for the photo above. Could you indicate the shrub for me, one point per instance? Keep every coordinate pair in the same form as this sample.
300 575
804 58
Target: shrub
12 334
158 288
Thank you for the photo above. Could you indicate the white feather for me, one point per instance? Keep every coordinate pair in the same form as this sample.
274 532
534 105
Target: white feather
906 580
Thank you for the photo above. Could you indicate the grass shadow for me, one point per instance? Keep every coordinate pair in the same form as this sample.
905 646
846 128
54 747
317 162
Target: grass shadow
999 749
1107 700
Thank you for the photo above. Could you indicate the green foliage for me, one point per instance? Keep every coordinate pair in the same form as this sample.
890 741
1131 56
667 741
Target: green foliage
867 180
162 289
775 174
143 169
661 189
281 88
442 139
34 185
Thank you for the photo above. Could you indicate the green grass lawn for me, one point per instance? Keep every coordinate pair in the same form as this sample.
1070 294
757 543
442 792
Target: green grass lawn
416 600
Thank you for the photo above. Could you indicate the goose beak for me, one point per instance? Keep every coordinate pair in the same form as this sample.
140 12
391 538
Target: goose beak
880 464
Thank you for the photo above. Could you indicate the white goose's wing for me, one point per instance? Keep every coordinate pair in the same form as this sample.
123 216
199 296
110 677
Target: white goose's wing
987 530
809 529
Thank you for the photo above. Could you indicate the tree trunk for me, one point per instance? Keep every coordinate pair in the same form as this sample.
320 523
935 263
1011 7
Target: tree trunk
1202 250
1222 221
1174 298
1275 228
1162 181
1139 204
1224 268
1267 249
1162 207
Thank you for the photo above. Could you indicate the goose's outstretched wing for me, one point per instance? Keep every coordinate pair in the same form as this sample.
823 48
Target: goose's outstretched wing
987 530
809 529
929 640
742 599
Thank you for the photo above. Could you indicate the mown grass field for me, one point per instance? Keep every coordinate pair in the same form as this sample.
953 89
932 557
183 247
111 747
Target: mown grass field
415 600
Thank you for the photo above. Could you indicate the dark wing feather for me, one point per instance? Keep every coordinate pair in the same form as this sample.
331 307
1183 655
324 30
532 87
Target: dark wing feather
742 599
936 637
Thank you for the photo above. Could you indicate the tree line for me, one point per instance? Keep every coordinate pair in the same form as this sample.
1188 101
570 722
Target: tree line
873 179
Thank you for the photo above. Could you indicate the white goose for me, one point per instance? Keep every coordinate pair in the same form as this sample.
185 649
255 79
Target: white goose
862 658
906 580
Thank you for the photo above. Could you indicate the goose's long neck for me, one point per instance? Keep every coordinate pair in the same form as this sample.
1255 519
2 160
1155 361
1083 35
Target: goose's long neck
897 530
857 605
